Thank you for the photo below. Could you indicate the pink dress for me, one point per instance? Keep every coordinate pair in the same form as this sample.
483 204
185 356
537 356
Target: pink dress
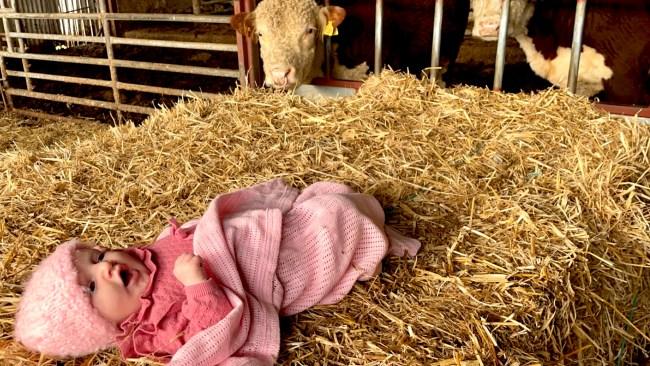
271 251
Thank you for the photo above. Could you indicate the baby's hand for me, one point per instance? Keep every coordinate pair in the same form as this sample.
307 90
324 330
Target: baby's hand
188 269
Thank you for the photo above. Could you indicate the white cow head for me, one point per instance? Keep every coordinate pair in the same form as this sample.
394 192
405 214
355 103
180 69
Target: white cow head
290 37
487 16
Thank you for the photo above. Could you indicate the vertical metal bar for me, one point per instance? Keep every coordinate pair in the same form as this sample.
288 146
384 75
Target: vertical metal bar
34 26
328 51
82 23
65 23
328 56
28 24
196 7
5 83
75 23
111 9
437 38
5 24
501 46
111 57
95 22
91 23
379 22
89 9
50 25
3 66
2 33
247 53
576 44
21 48
242 45
19 8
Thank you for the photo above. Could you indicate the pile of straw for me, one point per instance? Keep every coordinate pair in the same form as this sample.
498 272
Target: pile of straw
533 211
29 134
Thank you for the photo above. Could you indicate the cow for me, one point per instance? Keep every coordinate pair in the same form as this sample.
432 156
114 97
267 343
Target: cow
615 56
487 17
292 49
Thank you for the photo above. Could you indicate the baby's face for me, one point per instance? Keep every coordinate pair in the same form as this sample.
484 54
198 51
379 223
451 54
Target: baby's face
114 279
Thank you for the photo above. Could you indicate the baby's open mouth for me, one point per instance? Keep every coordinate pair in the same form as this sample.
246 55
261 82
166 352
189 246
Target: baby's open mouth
125 276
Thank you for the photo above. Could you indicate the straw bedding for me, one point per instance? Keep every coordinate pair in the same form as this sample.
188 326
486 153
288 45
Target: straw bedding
533 211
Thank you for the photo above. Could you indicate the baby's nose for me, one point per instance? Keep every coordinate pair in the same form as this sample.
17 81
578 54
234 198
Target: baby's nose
104 269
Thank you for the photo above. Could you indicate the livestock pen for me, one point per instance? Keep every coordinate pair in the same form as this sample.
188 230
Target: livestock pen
532 207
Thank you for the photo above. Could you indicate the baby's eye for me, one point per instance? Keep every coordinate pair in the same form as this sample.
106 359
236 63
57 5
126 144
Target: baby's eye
91 287
98 257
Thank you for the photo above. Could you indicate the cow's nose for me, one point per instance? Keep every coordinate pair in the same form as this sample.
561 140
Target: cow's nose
283 76
488 27
279 76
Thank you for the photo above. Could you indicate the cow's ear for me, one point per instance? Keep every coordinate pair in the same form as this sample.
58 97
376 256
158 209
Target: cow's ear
335 14
244 23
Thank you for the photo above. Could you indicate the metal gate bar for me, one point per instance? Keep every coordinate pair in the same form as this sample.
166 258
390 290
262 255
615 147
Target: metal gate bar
379 27
576 44
106 28
144 65
103 17
130 41
247 53
107 83
437 39
499 63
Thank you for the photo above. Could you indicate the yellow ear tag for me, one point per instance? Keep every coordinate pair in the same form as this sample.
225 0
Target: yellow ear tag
330 30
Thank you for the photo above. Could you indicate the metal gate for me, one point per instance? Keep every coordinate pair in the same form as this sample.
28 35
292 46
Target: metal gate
28 24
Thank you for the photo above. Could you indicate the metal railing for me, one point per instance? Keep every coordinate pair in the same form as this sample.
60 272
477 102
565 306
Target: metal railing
16 49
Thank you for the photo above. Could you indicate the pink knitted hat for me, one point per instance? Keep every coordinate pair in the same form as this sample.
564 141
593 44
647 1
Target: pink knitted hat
55 316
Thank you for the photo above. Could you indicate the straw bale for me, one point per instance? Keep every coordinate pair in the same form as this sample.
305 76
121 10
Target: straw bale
533 211
29 133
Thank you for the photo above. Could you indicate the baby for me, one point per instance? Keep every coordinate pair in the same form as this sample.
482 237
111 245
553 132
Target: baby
211 291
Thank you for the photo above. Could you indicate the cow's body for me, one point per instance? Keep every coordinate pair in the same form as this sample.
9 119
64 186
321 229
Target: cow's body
289 60
615 58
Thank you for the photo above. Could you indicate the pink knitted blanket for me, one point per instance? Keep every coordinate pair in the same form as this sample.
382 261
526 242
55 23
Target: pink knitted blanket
279 252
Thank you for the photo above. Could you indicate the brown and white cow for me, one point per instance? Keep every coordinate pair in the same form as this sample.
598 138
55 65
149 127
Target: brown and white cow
292 48
615 57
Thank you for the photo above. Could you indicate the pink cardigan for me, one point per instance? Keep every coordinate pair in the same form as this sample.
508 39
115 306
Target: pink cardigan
277 253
